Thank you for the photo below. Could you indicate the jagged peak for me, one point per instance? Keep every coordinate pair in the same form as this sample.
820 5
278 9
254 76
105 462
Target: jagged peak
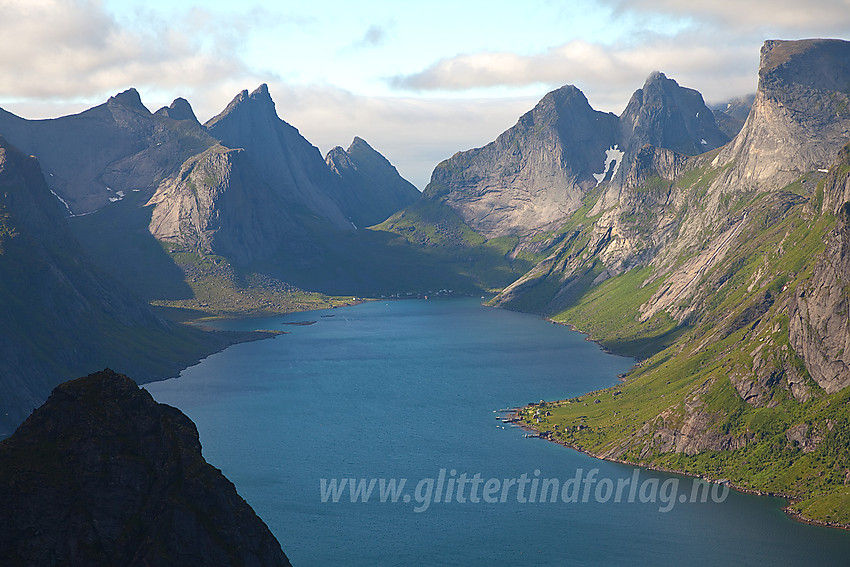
658 81
359 142
261 92
259 99
130 98
180 109
339 159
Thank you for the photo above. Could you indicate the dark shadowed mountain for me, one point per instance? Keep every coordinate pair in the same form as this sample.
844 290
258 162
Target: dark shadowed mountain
108 152
61 315
373 188
102 475
287 167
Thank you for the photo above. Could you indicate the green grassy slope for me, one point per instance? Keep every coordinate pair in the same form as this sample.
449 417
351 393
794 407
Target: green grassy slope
682 407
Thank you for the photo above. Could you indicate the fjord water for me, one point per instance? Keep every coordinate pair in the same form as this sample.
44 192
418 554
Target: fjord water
404 389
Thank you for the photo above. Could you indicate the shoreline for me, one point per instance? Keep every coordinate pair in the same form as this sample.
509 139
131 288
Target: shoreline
790 500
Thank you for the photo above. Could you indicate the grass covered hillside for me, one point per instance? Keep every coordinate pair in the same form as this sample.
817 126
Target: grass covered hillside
727 383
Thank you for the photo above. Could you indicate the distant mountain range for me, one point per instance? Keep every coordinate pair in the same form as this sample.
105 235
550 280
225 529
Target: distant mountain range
709 243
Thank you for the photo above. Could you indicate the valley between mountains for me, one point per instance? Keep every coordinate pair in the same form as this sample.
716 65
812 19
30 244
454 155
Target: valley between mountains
708 243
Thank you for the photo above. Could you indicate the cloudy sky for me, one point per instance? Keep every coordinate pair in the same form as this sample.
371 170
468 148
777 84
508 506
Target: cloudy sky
418 80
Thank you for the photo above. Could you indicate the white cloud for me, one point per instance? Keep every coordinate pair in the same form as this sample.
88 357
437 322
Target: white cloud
608 75
67 49
789 16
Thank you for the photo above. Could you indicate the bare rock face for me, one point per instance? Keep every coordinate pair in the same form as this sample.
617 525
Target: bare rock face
819 328
372 187
666 115
537 173
532 175
800 116
217 205
836 189
101 474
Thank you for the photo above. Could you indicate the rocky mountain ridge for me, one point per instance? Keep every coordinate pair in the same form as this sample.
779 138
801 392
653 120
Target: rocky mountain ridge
374 188
241 185
533 176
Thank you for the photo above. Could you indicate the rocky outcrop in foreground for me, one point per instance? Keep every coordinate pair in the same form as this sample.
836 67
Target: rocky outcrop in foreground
101 474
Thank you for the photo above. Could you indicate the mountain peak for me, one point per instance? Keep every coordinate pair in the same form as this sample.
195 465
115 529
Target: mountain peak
180 109
667 115
361 148
563 96
373 188
131 99
257 101
261 92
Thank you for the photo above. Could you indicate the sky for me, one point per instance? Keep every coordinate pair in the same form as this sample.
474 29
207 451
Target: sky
418 80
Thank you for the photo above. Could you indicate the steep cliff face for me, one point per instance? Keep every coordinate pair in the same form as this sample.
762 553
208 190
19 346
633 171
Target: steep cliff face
800 116
101 474
819 326
539 172
217 204
534 174
373 188
62 316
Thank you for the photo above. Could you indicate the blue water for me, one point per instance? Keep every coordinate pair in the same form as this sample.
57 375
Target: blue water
406 389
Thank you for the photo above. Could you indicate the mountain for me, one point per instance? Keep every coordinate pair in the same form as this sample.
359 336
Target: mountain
725 274
61 315
101 474
731 115
109 152
534 174
374 190
800 116
666 115
288 167
200 211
